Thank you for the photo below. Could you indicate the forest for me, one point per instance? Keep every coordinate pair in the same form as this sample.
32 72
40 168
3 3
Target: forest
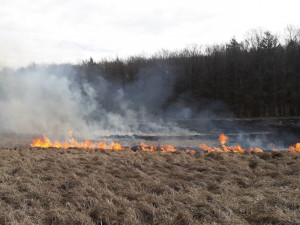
256 77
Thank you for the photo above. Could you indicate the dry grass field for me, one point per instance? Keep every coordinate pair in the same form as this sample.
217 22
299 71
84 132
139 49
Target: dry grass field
77 186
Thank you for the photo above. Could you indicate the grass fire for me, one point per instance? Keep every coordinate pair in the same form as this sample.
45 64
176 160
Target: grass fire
93 186
202 135
86 144
154 168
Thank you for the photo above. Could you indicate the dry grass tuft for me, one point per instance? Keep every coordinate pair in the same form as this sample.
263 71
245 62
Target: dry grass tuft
74 186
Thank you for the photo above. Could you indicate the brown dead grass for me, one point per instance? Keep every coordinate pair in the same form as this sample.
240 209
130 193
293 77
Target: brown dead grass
54 186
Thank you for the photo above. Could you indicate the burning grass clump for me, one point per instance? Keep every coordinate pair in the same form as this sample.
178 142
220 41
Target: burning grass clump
77 186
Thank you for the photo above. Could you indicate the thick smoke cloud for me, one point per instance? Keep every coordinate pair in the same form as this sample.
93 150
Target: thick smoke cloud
54 99
38 100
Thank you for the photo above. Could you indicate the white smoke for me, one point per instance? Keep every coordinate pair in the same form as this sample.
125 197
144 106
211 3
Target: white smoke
38 101
53 100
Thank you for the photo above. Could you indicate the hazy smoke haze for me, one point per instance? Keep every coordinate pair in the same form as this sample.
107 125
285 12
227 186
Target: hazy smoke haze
54 99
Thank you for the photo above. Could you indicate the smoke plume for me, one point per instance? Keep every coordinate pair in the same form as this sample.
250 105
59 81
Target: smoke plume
54 99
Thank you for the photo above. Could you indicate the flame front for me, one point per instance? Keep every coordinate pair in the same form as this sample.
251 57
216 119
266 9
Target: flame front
86 144
160 148
223 139
73 143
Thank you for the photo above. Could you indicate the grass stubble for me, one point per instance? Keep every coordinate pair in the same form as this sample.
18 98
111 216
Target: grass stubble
77 186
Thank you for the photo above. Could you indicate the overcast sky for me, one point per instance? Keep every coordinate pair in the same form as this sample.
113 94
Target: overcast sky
46 31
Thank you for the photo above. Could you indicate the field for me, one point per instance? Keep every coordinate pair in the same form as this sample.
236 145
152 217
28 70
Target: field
77 186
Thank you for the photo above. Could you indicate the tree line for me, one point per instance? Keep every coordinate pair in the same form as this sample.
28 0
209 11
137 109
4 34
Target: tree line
256 77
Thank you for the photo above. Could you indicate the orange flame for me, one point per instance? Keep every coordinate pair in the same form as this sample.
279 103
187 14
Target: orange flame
163 148
190 150
295 149
255 149
204 147
86 144
223 139
168 148
148 148
73 143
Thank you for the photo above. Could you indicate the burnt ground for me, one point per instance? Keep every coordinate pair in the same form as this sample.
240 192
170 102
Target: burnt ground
265 133
76 186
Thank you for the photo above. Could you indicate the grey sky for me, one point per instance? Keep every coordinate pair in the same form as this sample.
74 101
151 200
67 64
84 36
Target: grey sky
46 31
